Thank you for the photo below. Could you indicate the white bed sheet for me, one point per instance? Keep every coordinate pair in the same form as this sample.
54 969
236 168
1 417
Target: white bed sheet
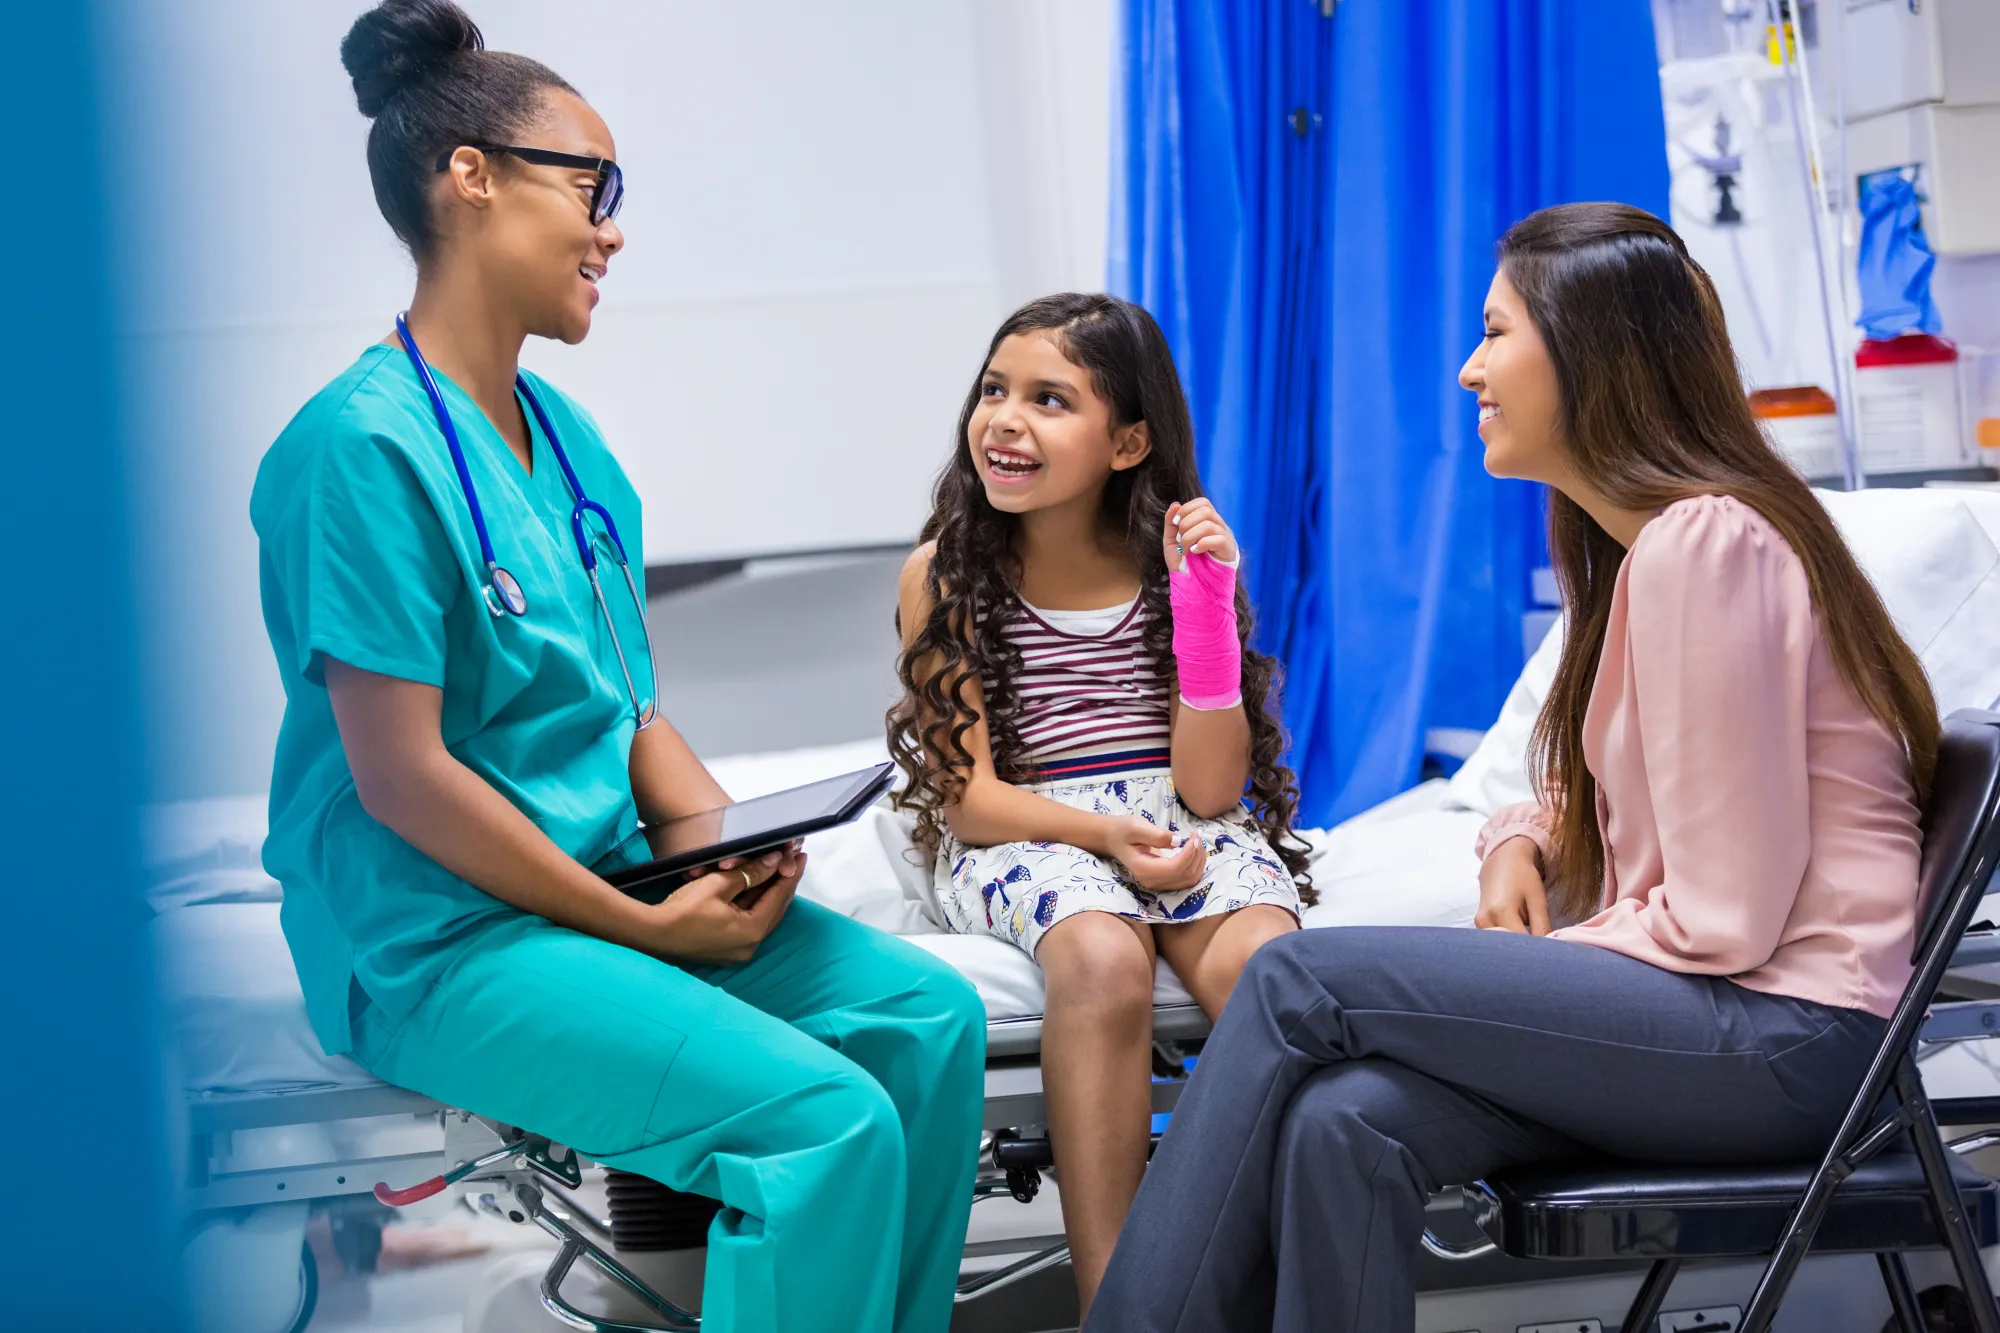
237 1018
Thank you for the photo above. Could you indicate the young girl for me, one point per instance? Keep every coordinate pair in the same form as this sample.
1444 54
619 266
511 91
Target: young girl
1081 717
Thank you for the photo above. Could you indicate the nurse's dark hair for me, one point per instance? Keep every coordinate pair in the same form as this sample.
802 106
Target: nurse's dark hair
422 72
1651 410
975 570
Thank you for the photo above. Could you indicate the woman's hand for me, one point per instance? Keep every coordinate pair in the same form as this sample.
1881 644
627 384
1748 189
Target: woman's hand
1148 854
1195 526
1511 896
724 915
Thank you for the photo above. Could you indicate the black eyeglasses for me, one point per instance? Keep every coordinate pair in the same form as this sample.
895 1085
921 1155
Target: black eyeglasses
605 200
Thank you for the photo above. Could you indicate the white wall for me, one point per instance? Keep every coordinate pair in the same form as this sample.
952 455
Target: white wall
830 207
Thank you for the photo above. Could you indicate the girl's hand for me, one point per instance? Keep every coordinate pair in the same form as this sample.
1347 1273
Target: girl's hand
724 915
1195 526
1148 854
1511 896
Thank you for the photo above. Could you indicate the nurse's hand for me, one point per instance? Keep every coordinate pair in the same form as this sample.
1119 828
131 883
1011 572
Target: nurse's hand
1511 895
724 915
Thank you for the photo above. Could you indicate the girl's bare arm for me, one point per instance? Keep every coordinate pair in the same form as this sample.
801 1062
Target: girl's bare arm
989 810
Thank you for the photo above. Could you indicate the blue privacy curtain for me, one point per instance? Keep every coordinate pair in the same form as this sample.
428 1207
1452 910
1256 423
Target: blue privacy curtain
1308 205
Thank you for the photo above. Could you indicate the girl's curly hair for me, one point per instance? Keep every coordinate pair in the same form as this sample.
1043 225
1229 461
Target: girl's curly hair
972 571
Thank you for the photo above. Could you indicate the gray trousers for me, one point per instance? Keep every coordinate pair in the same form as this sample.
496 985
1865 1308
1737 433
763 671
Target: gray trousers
1356 1070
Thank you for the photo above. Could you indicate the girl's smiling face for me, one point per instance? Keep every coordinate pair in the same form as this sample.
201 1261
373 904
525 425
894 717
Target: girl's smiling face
1040 435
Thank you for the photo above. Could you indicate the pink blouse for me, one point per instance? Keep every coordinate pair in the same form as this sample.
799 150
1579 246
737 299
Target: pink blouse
1759 822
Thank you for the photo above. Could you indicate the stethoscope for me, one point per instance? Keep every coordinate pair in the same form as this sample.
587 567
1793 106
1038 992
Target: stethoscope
502 590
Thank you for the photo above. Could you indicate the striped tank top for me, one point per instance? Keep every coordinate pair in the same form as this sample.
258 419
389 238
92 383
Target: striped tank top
1087 704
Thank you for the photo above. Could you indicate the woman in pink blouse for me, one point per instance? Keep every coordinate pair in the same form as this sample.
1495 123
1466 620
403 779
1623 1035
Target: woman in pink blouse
1693 935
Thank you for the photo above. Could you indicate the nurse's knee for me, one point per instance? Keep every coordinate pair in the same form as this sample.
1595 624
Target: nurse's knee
857 1119
960 1013
942 1013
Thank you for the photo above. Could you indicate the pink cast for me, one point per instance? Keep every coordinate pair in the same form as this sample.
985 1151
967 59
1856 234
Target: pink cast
1207 651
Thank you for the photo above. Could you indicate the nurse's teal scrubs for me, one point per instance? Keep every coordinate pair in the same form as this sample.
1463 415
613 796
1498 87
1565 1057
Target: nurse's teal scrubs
827 1092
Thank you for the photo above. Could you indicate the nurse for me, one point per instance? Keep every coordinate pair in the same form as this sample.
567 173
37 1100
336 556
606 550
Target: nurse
469 731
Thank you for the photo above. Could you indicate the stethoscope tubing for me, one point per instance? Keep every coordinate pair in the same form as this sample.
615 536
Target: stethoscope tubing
451 440
509 599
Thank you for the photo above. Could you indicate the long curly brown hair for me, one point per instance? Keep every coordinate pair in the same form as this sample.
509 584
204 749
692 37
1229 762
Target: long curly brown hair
976 567
1652 411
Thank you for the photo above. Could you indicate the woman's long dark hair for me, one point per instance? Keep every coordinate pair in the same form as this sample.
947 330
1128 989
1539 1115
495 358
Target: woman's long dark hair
1652 411
976 563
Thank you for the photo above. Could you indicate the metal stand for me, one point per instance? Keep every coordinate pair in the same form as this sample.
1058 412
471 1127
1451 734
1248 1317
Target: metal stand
1805 133
528 1171
575 1245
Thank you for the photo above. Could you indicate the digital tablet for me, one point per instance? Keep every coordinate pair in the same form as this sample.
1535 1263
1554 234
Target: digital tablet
746 828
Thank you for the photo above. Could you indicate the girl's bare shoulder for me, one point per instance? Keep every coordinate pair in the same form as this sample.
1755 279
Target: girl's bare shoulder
916 571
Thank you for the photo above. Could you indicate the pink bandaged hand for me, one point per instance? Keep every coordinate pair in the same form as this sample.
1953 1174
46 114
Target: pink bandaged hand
1206 648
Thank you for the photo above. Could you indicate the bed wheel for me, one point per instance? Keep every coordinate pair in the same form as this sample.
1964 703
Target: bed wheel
308 1289
1022 1161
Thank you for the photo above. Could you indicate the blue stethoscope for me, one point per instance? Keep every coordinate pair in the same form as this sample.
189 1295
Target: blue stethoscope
502 590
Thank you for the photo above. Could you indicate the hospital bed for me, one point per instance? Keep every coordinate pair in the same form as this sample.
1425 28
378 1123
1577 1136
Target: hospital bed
274 1127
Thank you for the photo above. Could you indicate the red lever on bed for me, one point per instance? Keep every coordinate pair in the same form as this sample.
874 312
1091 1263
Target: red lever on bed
398 1198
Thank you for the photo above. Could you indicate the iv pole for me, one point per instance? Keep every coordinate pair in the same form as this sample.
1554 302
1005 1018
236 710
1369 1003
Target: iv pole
1805 136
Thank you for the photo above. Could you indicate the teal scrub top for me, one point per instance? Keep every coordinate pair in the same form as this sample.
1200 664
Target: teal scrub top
369 555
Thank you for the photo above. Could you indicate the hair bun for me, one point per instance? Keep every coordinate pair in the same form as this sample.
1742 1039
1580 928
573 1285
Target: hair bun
399 42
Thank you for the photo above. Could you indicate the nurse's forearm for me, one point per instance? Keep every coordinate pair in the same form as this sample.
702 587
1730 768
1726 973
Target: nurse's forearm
668 780
407 780
452 815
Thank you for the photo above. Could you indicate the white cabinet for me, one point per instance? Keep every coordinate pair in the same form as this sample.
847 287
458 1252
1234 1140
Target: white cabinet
1901 53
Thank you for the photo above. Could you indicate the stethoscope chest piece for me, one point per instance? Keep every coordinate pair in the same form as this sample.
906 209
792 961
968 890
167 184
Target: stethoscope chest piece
503 593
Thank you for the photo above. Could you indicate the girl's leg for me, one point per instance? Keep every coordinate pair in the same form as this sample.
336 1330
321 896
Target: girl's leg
1208 955
1097 1036
1491 1049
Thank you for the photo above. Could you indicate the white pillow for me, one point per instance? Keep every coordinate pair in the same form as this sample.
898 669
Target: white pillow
1496 772
870 870
1406 862
1932 556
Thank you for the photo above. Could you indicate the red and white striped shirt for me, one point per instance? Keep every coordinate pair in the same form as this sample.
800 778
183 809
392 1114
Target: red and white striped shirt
1087 702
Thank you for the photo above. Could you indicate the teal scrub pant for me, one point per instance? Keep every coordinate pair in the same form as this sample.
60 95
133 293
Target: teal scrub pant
828 1092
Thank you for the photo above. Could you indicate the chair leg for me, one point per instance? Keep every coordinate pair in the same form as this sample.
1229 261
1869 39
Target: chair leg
1902 1296
1946 1205
1791 1250
1652 1294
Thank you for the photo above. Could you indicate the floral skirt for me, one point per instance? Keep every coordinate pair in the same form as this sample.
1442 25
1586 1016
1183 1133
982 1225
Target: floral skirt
1018 890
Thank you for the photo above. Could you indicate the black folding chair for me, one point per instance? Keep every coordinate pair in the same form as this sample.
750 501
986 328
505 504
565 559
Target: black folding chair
1859 1198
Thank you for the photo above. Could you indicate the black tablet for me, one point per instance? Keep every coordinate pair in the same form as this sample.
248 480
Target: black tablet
747 828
